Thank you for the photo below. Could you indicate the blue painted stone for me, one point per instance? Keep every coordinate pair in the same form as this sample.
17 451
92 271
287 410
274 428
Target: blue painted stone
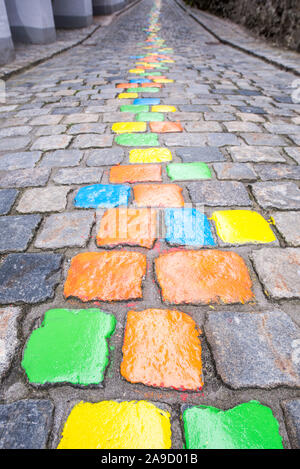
140 80
137 56
102 195
188 226
151 101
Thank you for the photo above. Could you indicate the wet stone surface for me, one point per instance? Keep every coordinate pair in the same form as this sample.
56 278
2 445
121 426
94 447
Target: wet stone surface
189 239
26 424
17 232
254 350
29 278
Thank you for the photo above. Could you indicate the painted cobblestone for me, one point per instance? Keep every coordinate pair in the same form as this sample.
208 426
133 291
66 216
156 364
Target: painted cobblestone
102 195
137 140
135 173
158 195
203 277
117 425
162 348
188 171
188 227
237 116
136 227
255 350
70 346
106 276
150 155
247 426
242 226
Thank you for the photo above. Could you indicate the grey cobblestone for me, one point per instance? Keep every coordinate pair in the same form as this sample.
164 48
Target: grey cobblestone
24 177
7 199
65 229
26 424
219 193
23 160
287 223
8 338
278 270
17 232
238 171
254 350
45 199
283 195
77 175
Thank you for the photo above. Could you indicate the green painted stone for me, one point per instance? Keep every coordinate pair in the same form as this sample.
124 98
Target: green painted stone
247 426
70 346
150 74
150 117
137 140
188 171
139 89
135 108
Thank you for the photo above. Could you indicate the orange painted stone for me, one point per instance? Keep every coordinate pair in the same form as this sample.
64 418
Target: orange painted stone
202 277
151 85
163 127
158 195
127 85
106 276
135 173
135 227
162 348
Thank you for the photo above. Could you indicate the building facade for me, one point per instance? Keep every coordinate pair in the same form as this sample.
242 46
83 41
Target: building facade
35 21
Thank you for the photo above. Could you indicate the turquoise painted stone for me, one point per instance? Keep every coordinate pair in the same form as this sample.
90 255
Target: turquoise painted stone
137 140
102 195
188 226
150 117
134 108
188 171
147 101
143 90
250 425
139 80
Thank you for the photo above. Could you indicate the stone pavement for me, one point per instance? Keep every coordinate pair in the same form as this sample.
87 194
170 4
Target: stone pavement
149 201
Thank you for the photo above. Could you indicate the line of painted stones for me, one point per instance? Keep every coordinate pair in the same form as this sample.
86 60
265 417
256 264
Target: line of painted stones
161 347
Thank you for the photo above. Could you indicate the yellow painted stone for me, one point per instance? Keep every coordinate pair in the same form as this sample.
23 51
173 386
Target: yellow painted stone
136 70
242 226
113 425
127 95
163 108
163 80
168 61
150 155
127 127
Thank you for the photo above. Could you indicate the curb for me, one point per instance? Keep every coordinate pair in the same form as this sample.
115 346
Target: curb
265 58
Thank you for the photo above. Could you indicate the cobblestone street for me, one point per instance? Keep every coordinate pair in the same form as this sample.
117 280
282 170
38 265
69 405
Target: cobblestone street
150 243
